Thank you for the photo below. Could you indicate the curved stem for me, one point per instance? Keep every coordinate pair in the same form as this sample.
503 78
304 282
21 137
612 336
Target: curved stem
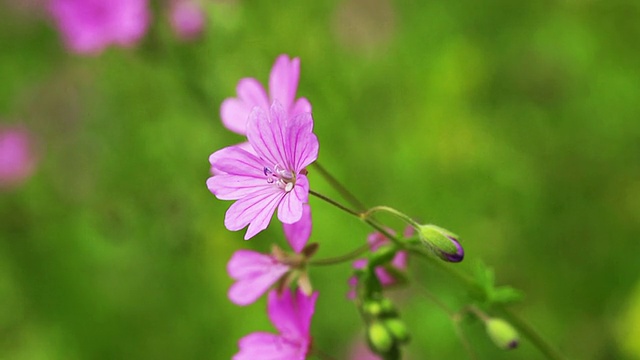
346 194
394 212
342 258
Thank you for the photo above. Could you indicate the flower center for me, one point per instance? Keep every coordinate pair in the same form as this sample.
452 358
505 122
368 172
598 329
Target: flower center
280 176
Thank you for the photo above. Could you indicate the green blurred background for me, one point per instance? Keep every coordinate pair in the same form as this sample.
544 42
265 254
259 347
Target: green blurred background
514 124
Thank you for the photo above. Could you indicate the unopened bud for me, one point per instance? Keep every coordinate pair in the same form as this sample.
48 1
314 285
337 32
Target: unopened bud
380 339
502 333
442 242
372 307
398 329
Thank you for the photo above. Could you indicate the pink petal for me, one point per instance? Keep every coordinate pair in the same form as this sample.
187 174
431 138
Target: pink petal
303 144
237 161
233 187
400 260
254 210
290 209
266 133
291 313
298 233
255 273
265 346
235 111
385 278
302 105
283 81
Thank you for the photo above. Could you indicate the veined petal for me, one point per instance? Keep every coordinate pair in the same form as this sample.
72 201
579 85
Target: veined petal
266 133
298 233
290 209
255 210
283 80
234 187
265 346
255 273
302 143
291 313
237 161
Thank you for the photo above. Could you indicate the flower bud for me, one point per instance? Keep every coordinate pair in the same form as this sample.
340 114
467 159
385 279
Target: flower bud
372 307
502 333
398 329
380 339
442 242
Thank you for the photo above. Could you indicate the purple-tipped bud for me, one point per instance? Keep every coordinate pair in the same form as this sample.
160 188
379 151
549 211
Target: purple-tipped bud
442 242
502 334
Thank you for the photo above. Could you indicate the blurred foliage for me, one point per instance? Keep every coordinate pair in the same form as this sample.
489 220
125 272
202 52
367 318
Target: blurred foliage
514 124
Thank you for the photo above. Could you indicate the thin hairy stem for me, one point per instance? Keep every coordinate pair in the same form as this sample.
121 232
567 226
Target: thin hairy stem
394 212
342 258
335 203
346 194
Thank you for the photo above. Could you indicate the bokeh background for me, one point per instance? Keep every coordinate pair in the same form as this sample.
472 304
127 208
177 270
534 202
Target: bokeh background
514 124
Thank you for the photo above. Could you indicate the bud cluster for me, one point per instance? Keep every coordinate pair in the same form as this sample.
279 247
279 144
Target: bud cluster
386 332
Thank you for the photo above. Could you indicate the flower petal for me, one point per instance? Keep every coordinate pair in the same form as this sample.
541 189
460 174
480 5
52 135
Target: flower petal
235 111
255 210
302 105
255 274
283 81
302 143
265 133
237 161
291 313
298 233
265 346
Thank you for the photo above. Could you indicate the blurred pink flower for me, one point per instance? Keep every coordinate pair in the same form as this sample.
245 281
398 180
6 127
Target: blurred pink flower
254 273
17 160
291 315
360 351
275 177
283 84
89 26
398 262
187 19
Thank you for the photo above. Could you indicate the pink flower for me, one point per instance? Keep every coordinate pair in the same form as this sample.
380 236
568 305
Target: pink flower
17 161
291 315
398 262
283 84
254 273
89 26
360 351
187 19
275 177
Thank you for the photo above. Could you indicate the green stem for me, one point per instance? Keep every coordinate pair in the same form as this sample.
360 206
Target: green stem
394 212
335 203
342 258
339 187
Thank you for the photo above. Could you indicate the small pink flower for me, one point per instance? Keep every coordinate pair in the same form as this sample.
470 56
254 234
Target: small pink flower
283 84
291 315
274 177
187 19
89 26
399 262
17 161
254 273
